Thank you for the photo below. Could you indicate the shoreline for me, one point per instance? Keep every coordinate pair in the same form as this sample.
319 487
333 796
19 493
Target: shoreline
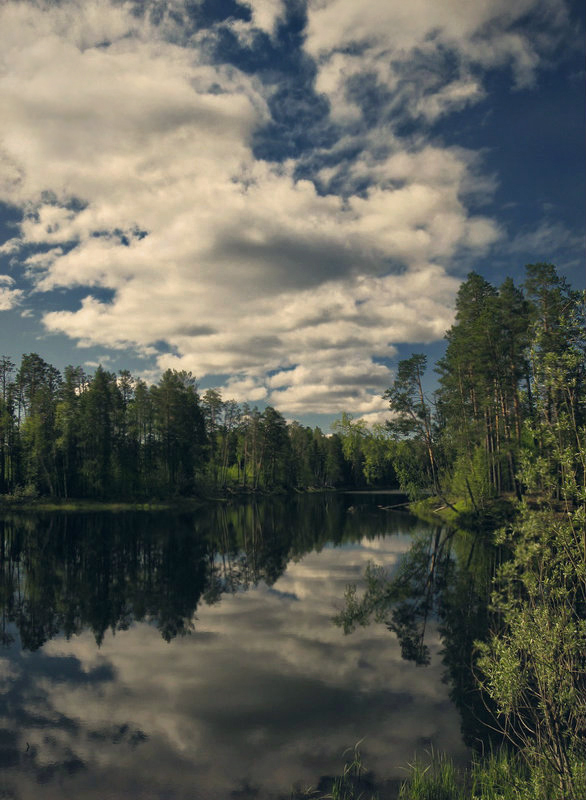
52 504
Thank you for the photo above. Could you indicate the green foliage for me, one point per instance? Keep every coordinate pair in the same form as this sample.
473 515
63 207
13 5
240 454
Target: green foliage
512 380
352 435
377 449
411 421
534 664
411 415
502 404
23 494
410 465
367 450
510 415
471 478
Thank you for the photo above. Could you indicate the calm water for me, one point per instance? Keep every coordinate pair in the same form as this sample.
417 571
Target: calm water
194 656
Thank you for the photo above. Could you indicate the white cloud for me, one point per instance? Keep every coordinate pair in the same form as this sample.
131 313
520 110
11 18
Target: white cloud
453 97
375 417
247 389
10 246
395 39
9 297
266 13
424 60
132 157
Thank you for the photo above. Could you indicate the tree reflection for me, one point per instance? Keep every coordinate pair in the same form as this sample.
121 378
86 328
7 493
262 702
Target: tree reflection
446 577
63 573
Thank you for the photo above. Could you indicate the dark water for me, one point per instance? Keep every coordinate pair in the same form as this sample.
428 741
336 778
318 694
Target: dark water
194 656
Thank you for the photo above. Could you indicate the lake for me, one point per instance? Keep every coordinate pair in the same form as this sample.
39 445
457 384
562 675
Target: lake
193 655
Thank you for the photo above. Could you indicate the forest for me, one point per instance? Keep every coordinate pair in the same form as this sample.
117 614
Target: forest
110 436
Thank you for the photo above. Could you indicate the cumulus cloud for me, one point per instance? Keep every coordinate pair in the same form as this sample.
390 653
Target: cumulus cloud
131 152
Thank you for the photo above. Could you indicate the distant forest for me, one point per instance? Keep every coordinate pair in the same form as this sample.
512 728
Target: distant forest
512 377
109 435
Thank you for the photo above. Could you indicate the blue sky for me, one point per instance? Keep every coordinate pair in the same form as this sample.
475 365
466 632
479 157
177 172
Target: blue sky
281 197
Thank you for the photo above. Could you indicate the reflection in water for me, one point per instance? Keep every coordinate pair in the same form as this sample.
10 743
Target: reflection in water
265 691
446 576
68 573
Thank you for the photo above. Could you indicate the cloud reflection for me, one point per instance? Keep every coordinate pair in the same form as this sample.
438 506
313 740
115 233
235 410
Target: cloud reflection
266 693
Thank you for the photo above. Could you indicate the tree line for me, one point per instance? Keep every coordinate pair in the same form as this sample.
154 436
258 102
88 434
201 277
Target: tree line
108 435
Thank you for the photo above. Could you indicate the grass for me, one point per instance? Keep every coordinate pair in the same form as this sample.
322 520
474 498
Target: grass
352 784
438 780
501 775
498 776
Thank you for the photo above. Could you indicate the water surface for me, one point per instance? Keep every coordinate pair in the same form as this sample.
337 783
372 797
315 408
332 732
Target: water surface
194 656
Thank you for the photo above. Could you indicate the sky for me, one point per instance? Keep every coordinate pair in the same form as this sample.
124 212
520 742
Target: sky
279 197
